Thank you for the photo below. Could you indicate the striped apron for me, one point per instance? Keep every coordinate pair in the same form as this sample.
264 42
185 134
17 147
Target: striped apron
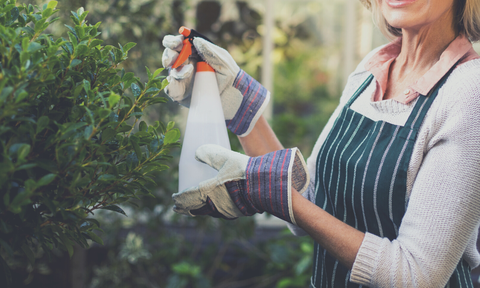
362 180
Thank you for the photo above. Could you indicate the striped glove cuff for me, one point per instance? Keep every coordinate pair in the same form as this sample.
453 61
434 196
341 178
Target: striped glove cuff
254 102
268 183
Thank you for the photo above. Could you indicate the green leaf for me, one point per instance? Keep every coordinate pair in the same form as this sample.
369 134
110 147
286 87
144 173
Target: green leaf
14 13
113 99
136 147
34 46
303 265
5 92
95 42
164 84
89 113
73 38
75 126
22 95
22 198
152 90
118 54
88 132
184 268
42 123
285 283
52 4
128 76
154 167
135 90
170 125
8 8
172 136
141 134
114 208
108 133
75 15
25 44
138 113
103 113
157 72
80 31
149 74
94 221
39 25
26 166
47 13
23 151
75 62
95 237
129 46
45 180
86 226
107 177
143 126
81 50
124 128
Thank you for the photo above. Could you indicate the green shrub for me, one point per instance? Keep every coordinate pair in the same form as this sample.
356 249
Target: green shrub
71 139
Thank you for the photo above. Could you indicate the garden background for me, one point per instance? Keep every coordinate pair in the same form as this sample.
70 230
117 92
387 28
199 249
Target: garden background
311 47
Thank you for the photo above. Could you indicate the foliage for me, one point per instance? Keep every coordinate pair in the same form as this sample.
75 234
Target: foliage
71 139
204 260
302 106
156 249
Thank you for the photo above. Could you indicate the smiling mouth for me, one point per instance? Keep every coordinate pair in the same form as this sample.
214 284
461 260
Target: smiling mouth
399 3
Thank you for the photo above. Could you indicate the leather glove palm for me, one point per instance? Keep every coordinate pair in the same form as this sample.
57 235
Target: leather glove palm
243 98
245 185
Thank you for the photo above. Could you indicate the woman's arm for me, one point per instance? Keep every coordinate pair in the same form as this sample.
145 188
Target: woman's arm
261 140
339 239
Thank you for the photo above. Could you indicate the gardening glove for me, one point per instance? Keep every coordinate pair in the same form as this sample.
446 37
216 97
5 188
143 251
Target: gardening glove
245 185
243 98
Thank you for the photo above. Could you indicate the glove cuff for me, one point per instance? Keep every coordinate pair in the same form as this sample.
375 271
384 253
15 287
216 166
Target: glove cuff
268 184
254 102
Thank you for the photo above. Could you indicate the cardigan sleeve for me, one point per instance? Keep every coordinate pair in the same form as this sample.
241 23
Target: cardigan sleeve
443 213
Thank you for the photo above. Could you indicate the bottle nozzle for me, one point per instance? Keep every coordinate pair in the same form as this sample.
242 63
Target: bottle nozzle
184 31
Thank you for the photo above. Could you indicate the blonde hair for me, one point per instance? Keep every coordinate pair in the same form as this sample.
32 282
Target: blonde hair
467 19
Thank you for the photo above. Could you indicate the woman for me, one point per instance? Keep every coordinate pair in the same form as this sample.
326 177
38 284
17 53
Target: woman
394 194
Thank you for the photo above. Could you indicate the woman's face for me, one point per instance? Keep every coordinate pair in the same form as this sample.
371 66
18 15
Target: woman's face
417 14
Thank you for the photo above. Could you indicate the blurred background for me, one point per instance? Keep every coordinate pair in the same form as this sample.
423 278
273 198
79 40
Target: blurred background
303 52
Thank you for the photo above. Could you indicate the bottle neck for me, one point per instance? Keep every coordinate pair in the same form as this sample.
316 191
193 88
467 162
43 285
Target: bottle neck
203 66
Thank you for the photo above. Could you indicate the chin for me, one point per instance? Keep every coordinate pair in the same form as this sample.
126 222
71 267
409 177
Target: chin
402 20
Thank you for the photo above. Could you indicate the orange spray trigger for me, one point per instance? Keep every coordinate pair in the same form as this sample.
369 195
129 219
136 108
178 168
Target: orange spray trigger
187 45
184 54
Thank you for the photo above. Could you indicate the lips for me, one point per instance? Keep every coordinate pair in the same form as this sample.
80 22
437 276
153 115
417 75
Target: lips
399 3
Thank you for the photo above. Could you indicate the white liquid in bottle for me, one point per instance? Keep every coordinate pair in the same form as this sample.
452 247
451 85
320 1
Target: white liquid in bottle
205 125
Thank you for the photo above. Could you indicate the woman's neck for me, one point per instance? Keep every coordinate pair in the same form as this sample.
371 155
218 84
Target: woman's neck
422 48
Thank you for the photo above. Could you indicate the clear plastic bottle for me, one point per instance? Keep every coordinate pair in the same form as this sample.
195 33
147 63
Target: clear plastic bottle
205 125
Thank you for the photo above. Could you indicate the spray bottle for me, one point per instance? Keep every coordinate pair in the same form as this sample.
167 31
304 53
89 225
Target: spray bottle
205 123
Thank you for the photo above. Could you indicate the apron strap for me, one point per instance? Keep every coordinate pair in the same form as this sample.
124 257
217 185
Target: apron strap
424 102
360 90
